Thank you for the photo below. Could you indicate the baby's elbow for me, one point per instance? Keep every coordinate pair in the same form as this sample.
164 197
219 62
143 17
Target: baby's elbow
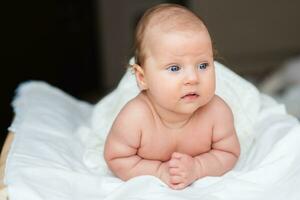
234 153
107 155
109 158
234 147
110 153
237 150
118 169
116 165
235 156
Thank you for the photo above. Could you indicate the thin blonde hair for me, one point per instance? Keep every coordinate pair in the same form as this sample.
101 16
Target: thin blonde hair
143 23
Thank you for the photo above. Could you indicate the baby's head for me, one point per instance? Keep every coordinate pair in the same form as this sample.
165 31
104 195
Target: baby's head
166 18
174 58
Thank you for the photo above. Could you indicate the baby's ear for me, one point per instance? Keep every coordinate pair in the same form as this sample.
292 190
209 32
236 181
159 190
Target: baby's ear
140 76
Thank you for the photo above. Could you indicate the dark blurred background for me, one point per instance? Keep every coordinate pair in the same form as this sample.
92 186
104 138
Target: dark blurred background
82 46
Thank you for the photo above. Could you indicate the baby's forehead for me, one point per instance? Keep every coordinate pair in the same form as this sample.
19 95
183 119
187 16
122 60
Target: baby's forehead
158 22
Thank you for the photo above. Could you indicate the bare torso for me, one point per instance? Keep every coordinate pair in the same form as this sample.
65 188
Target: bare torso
141 143
158 141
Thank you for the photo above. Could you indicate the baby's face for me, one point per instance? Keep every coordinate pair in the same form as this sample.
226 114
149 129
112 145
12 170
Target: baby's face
179 70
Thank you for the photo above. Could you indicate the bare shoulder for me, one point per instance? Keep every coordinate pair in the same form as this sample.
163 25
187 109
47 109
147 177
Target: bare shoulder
130 119
224 134
126 132
135 110
222 117
219 109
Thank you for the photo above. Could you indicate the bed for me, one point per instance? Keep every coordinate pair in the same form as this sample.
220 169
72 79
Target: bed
54 148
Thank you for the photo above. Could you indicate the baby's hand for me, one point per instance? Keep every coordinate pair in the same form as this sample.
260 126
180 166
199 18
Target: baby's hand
182 170
163 173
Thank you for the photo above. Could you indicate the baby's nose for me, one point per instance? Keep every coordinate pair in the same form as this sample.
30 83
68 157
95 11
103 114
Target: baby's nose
191 77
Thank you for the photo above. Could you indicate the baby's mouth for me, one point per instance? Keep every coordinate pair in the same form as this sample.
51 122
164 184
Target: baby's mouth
190 96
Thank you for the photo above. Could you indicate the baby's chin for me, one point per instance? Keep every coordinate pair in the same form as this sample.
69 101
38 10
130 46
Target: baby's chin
193 107
189 109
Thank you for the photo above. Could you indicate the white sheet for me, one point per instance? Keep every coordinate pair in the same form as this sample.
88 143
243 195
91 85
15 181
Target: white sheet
56 154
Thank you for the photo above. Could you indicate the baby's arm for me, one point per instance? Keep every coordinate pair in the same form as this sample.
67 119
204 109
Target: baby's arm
123 142
225 151
225 145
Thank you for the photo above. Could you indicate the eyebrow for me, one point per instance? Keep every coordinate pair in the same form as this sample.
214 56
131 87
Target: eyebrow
200 59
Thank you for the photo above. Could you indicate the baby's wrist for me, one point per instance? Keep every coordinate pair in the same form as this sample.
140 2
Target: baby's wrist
199 168
159 171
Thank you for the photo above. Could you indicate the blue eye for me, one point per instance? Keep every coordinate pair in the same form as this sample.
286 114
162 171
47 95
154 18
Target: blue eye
174 68
203 65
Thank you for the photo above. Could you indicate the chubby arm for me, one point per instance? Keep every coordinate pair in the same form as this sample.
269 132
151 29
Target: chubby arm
225 149
122 144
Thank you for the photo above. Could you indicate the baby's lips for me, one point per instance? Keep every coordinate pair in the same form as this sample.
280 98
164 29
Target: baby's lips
190 95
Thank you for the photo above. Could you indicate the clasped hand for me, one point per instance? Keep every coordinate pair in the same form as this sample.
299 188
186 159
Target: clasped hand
180 171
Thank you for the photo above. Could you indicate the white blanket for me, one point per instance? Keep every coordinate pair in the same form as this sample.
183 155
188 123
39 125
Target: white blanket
56 153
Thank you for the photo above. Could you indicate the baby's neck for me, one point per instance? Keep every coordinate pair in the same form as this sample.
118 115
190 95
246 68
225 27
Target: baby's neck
169 118
171 123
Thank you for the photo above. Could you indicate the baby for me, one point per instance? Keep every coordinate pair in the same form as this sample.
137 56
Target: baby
176 129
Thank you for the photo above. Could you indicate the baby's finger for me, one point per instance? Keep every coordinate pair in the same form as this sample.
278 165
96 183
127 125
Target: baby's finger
175 179
179 186
174 163
175 171
177 155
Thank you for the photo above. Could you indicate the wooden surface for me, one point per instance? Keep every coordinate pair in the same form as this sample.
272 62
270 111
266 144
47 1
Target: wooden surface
4 152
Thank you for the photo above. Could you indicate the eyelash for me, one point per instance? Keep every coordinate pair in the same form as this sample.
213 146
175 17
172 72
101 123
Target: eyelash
176 68
172 67
204 67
